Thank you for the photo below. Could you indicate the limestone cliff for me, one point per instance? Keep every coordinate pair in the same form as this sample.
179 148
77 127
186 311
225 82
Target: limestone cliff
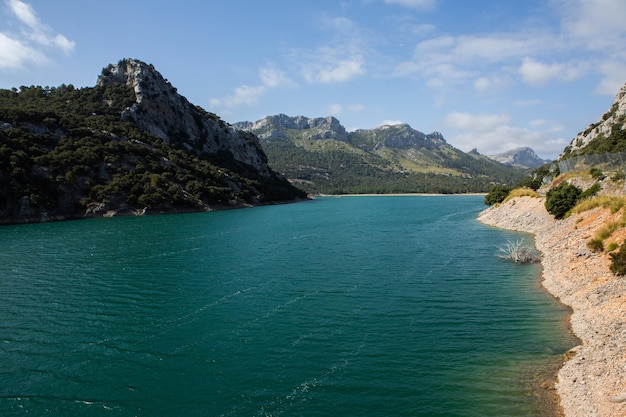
400 136
161 111
614 117
275 127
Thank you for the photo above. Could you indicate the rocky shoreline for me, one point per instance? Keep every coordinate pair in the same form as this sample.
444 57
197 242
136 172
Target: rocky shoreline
592 380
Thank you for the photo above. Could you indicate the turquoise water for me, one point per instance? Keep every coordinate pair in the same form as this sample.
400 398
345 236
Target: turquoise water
353 306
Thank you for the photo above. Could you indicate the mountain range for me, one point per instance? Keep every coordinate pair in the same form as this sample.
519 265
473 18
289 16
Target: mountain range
320 156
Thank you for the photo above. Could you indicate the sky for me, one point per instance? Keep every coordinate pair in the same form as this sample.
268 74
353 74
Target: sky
488 74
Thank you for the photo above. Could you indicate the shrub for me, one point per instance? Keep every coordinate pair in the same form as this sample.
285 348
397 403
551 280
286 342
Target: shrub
497 195
591 191
614 203
618 261
561 199
522 192
612 246
596 173
596 244
618 176
608 230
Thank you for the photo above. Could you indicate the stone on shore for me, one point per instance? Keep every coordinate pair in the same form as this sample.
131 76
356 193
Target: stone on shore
592 381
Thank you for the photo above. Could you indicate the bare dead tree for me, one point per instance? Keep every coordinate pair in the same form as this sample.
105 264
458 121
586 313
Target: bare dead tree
518 252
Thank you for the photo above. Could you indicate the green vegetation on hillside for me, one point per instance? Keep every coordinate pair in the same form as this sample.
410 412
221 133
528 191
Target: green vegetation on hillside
67 151
563 199
339 170
615 142
330 166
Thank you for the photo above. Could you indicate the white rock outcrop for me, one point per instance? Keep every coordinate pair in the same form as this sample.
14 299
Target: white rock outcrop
162 112
614 116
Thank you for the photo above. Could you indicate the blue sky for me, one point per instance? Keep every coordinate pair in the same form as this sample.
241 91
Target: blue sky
491 75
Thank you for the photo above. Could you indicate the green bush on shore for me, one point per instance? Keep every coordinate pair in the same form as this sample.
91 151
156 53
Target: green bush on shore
497 194
562 199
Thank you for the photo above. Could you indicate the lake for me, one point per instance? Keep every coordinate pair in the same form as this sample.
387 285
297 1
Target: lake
351 306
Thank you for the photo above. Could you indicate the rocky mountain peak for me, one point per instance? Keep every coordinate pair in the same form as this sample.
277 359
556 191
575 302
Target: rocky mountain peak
162 112
402 136
142 77
523 157
614 116
274 127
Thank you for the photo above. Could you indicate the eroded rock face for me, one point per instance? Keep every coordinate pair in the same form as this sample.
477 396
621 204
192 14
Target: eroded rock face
272 127
615 115
404 136
523 157
400 136
162 112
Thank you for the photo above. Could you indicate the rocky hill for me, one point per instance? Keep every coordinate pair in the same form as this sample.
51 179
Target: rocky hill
277 127
523 157
400 136
320 156
130 144
160 111
607 135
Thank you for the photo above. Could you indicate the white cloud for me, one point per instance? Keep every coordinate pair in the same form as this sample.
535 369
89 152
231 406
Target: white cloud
536 73
242 95
39 32
539 122
327 70
451 60
505 138
588 38
482 84
493 133
14 54
597 26
481 123
247 95
24 12
414 4
423 29
18 50
338 60
272 78
594 23
491 84
549 125
614 72
391 122
335 109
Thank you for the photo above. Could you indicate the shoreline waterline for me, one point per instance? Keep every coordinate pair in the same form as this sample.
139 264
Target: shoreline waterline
590 379
545 378
400 195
